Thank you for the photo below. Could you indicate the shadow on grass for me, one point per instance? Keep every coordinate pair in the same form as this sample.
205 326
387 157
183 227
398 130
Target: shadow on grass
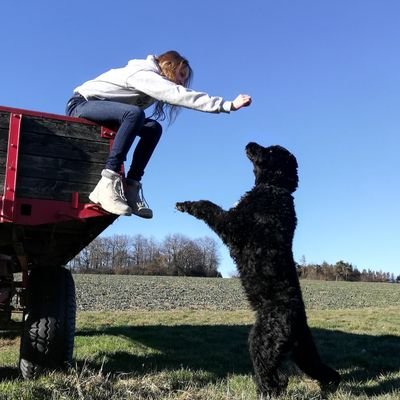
9 332
369 364
9 373
222 350
217 349
364 358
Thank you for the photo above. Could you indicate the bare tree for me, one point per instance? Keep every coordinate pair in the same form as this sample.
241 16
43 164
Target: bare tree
209 255
177 255
119 249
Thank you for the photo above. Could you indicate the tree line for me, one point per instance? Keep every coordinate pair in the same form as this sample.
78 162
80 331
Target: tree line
138 255
181 256
342 271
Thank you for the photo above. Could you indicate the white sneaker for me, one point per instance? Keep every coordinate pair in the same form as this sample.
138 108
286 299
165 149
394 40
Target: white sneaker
136 200
109 194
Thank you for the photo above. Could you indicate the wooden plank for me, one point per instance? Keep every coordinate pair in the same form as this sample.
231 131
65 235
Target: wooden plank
60 169
61 128
4 119
3 139
63 147
54 127
2 171
3 160
37 188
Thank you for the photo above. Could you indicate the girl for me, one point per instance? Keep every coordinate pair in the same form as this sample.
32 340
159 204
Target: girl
120 97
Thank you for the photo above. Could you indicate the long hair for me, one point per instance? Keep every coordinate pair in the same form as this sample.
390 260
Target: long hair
169 62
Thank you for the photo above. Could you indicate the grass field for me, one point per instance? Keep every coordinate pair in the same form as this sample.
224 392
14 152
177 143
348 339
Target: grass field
182 338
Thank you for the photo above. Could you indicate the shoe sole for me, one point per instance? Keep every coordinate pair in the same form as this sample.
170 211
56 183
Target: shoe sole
148 216
93 198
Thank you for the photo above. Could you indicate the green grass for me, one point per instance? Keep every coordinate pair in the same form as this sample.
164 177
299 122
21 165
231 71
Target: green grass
202 354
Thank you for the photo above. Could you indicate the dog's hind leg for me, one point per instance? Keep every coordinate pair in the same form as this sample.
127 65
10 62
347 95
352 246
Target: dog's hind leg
267 345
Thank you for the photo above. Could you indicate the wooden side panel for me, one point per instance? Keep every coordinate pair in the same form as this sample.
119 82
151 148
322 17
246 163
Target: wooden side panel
56 158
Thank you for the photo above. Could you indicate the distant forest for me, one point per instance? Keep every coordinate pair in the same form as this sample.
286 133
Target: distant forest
342 271
181 256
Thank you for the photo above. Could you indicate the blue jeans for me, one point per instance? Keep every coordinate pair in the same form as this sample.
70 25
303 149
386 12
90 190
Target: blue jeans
131 121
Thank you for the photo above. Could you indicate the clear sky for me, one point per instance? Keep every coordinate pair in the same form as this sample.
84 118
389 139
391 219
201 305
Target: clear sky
325 82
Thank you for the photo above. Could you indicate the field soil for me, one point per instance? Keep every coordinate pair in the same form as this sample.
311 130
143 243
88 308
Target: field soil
130 292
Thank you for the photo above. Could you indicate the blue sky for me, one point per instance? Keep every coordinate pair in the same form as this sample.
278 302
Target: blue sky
325 82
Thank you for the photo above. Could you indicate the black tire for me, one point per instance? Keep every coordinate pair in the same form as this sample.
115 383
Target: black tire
47 341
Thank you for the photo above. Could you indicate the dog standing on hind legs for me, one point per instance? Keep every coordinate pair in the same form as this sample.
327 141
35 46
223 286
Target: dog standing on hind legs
259 234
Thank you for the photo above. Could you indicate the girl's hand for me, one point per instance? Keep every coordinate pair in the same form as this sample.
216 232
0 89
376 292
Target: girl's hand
243 100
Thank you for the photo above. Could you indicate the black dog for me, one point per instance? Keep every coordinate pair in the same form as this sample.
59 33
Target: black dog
259 233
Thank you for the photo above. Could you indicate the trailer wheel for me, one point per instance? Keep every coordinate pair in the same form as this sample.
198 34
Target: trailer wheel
47 341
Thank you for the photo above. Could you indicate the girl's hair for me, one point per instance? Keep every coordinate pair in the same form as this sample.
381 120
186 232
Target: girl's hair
169 62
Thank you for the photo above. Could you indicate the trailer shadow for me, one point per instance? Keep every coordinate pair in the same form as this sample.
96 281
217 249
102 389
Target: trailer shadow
222 350
9 373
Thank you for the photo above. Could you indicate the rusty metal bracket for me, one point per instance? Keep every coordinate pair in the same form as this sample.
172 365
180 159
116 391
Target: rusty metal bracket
7 207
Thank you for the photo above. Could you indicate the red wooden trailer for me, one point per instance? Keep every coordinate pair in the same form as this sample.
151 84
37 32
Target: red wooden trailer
48 166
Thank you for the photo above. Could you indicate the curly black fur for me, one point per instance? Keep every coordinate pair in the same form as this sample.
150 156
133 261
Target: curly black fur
259 234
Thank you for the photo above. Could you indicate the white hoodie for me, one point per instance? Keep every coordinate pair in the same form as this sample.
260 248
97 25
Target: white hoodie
141 84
